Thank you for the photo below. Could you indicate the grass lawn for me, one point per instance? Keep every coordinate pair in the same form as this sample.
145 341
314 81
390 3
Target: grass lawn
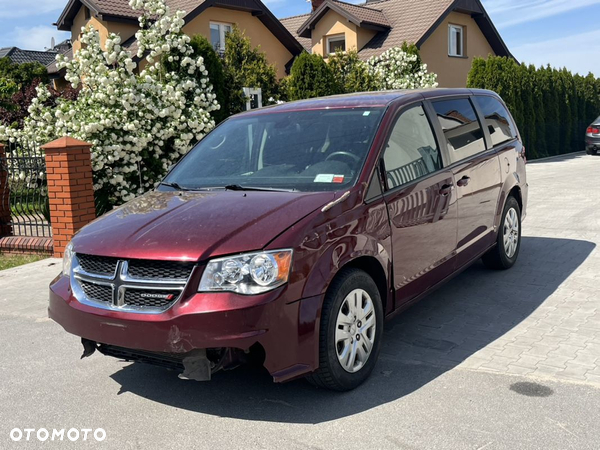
10 261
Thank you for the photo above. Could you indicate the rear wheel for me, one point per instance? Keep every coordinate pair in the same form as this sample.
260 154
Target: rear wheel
350 332
505 253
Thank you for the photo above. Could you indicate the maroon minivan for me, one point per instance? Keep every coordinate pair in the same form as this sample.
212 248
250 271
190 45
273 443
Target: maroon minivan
291 232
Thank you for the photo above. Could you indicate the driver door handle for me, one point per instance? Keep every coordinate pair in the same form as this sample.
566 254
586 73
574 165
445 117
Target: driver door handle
463 181
446 189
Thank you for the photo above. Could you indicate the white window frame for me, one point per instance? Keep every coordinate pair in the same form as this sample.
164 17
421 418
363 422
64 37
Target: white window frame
250 92
335 38
461 30
222 31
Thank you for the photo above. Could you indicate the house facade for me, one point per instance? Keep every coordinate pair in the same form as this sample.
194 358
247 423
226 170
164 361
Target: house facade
448 33
210 18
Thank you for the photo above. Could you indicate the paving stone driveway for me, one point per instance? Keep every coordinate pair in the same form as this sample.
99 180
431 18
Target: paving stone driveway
542 317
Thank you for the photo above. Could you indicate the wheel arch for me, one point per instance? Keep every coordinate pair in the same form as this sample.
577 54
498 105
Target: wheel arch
374 269
511 188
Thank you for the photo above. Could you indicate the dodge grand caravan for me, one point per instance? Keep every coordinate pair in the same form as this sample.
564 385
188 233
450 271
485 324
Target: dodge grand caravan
292 232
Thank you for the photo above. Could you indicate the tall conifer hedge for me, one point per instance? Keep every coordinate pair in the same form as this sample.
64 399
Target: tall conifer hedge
552 107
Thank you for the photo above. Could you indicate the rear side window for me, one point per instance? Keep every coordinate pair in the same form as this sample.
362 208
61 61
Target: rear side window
462 131
497 119
411 152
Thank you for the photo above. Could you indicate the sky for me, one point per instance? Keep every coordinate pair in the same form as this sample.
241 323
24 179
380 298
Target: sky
562 33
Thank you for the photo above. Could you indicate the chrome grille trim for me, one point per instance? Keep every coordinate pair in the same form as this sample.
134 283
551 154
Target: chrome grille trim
121 283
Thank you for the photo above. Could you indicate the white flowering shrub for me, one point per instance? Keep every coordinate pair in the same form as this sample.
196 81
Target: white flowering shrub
138 124
398 69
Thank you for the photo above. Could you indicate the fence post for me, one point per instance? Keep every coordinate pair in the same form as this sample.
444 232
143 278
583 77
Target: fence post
5 227
70 189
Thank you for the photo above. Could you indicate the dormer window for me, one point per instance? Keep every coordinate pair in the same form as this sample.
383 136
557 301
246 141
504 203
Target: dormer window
456 45
336 43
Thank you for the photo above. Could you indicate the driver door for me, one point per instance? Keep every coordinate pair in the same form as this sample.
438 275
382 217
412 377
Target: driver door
421 204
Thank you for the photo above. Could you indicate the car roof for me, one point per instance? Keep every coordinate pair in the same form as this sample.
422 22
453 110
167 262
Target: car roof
364 100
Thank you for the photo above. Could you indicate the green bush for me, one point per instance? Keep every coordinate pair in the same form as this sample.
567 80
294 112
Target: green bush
246 66
344 73
551 107
310 77
216 74
23 74
350 74
7 89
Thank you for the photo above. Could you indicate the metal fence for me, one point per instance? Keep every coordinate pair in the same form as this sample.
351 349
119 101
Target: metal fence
27 194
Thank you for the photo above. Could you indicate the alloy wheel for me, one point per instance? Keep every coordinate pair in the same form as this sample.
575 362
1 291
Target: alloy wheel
355 330
511 232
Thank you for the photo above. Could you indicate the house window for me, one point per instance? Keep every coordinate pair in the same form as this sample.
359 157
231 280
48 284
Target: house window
217 35
86 12
336 44
456 45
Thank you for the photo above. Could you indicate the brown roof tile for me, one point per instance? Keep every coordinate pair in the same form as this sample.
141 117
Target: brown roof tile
365 13
121 8
410 19
293 24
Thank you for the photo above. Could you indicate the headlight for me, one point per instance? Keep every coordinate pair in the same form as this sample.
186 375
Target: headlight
68 259
250 273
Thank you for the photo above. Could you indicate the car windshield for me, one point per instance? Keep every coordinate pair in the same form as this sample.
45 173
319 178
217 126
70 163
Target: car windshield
318 150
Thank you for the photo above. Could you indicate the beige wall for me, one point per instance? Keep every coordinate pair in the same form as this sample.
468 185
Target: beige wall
125 30
258 33
332 24
453 71
364 36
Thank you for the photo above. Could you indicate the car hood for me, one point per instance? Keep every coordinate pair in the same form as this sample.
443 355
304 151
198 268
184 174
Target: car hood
195 225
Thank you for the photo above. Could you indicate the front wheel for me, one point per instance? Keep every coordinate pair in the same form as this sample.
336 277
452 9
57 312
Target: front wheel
350 333
505 253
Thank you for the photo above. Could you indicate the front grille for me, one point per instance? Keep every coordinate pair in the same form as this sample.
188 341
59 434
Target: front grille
138 298
101 265
97 292
160 270
137 285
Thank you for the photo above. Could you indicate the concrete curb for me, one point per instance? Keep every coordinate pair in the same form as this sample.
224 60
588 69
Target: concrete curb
549 158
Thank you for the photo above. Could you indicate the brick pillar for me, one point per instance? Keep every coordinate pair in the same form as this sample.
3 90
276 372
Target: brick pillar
5 228
70 189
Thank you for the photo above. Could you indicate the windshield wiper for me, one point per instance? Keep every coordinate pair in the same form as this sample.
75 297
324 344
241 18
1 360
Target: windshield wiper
237 187
174 185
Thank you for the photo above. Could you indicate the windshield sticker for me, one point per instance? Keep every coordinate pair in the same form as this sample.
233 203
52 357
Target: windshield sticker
329 178
324 178
367 113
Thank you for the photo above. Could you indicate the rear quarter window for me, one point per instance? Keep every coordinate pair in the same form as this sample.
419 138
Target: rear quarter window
497 119
463 133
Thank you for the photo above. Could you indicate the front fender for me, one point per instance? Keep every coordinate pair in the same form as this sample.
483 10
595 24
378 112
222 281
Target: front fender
363 231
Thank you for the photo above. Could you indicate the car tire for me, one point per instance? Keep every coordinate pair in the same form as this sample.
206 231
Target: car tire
341 338
506 251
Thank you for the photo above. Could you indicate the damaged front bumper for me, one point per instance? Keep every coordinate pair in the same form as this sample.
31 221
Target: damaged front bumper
286 329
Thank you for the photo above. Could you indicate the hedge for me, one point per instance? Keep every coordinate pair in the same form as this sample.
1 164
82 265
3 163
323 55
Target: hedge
552 107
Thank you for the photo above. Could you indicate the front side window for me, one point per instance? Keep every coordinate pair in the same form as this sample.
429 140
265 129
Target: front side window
455 40
320 150
411 152
217 35
497 119
462 131
336 44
